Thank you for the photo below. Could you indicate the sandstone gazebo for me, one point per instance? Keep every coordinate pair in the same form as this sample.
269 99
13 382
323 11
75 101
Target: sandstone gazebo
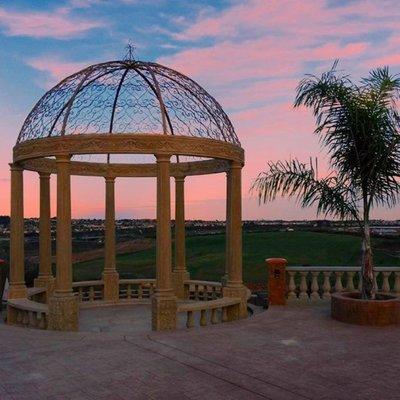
108 120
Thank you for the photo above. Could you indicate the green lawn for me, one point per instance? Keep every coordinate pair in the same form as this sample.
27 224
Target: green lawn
205 255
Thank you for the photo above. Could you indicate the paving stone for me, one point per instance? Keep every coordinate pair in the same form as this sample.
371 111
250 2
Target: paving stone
294 352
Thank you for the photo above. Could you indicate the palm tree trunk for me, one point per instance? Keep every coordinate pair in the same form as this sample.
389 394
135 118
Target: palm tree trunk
367 266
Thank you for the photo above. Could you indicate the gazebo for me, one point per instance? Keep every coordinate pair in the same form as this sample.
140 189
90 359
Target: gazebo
125 119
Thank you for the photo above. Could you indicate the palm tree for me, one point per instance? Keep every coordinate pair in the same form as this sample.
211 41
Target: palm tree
358 124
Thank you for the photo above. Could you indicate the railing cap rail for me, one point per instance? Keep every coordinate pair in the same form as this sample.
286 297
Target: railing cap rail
208 305
316 268
87 283
130 281
28 305
36 290
205 283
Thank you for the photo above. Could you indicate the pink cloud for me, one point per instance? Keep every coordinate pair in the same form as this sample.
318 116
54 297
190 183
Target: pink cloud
59 24
302 19
55 68
331 51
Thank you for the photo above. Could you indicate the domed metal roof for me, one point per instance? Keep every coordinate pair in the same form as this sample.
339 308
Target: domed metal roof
128 97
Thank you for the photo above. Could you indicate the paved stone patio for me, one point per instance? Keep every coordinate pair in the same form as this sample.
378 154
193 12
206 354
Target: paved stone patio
285 353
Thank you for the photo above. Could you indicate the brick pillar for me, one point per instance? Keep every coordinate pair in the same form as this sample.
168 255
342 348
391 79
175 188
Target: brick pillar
276 281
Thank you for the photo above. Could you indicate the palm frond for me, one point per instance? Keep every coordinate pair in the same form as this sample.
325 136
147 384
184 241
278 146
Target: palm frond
298 180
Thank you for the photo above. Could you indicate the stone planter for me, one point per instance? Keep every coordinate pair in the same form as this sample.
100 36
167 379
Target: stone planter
349 308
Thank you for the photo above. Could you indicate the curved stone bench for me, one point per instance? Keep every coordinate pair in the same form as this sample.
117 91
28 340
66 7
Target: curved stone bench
228 307
25 312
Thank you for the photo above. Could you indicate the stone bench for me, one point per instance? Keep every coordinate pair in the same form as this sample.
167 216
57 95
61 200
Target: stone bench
25 312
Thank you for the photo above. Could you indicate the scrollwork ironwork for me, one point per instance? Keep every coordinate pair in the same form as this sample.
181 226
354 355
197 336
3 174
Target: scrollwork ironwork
128 97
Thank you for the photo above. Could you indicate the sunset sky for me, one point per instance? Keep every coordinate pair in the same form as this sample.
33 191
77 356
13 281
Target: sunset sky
250 55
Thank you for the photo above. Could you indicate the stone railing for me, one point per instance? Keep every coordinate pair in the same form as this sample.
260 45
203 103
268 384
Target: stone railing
37 294
89 291
129 289
213 311
139 289
317 283
203 290
25 312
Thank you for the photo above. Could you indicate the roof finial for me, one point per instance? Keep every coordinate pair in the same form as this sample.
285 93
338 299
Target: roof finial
130 49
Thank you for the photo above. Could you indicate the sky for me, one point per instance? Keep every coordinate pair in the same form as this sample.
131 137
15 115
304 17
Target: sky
249 54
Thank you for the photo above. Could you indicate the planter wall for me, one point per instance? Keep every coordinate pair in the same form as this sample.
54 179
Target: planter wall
349 308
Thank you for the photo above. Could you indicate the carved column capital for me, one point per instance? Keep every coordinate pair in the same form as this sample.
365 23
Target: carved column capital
163 158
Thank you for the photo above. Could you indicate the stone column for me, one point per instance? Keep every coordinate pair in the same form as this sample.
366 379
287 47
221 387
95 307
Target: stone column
110 274
234 286
163 301
63 306
180 274
45 278
17 287
227 226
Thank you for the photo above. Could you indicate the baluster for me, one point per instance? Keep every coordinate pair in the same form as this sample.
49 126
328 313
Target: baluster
303 295
350 281
189 319
360 281
291 286
42 320
396 282
203 318
214 316
80 293
375 281
327 285
214 293
91 293
196 292
224 314
31 319
338 283
25 319
140 291
385 283
19 317
314 286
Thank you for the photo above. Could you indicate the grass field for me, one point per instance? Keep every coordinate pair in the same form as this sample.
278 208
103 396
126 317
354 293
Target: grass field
205 255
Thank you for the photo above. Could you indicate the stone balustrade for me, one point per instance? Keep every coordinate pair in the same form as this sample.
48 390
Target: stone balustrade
203 290
202 298
89 291
37 294
210 311
136 288
129 289
317 283
28 313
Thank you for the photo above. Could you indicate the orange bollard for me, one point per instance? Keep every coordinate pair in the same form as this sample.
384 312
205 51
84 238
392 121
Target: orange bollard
276 281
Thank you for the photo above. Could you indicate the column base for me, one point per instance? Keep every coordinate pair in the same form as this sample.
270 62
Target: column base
178 283
163 312
111 286
64 312
47 282
17 291
240 292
